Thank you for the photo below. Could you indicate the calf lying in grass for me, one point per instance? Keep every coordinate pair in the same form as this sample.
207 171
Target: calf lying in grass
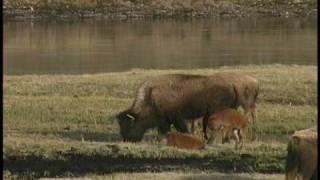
231 123
184 141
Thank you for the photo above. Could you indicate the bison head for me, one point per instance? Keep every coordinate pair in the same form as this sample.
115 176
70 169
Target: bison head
129 129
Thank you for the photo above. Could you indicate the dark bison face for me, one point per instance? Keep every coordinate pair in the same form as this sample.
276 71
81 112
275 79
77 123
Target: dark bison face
125 120
127 123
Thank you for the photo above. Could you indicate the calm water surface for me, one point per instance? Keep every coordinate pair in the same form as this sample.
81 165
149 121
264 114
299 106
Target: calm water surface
98 46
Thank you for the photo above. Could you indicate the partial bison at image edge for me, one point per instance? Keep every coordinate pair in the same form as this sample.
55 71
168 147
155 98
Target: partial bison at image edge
172 99
302 155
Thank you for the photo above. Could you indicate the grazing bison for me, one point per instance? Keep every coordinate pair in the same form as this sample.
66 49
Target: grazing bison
231 123
184 141
302 155
171 99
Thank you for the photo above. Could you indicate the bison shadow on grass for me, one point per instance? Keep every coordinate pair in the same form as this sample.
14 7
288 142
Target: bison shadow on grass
81 135
104 137
73 164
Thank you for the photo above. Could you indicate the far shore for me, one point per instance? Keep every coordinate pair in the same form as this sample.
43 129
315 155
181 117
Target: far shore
146 9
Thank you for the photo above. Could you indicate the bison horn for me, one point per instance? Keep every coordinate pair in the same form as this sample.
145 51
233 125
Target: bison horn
130 116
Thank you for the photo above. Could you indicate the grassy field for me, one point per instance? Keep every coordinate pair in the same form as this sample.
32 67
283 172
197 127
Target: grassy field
64 125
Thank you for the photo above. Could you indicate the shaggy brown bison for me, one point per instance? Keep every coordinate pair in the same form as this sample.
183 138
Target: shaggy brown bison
302 155
184 141
231 123
171 99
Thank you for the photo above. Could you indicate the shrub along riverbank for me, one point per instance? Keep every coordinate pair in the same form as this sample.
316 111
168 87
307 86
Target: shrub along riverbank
141 9
64 125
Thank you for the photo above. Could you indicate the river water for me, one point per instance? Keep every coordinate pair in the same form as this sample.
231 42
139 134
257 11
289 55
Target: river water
93 46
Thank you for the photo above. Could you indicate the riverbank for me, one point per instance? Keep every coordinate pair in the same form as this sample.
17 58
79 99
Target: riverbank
149 9
64 125
187 176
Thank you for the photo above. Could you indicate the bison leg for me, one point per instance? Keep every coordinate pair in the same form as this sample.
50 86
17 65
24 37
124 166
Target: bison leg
241 136
164 127
181 125
250 112
225 136
224 139
308 165
192 125
204 125
253 115
315 174
236 134
213 136
247 113
291 173
211 139
292 163
252 118
244 134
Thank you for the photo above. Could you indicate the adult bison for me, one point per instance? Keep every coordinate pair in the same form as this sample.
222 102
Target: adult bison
302 155
171 99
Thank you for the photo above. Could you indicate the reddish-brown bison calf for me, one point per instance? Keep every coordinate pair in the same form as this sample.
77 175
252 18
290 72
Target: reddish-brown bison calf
184 141
231 123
